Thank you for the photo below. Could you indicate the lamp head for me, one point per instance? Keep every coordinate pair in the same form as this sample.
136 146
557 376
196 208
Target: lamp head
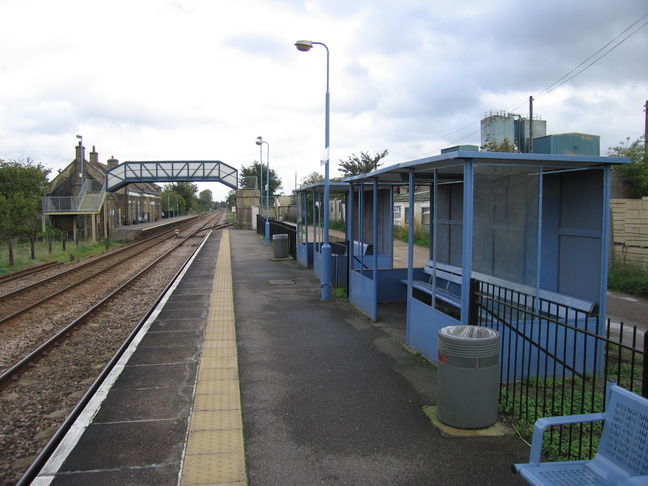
304 45
259 141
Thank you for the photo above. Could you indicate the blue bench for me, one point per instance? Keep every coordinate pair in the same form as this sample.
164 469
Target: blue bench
363 249
622 456
446 286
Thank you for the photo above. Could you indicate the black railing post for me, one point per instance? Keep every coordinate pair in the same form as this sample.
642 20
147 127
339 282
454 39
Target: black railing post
644 382
473 306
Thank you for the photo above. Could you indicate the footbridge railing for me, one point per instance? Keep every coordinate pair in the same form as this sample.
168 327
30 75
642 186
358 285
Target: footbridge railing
171 171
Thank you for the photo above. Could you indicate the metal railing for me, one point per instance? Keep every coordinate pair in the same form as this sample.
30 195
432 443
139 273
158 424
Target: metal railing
90 198
556 360
277 228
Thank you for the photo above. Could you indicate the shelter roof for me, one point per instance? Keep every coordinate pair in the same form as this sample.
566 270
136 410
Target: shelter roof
319 186
453 162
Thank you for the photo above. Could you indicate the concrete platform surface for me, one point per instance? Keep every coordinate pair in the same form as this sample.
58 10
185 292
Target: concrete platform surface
330 398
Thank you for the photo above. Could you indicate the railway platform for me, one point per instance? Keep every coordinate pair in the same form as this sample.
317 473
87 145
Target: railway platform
244 376
133 231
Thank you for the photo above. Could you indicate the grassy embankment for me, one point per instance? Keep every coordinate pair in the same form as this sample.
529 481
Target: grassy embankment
22 253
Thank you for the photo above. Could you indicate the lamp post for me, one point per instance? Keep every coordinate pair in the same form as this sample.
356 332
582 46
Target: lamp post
305 46
260 142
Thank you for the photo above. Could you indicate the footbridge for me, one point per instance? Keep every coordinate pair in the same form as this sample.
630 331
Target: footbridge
171 171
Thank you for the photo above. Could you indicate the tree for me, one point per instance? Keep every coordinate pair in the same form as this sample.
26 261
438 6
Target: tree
206 200
251 178
231 199
187 191
22 185
635 174
171 201
363 164
312 178
505 146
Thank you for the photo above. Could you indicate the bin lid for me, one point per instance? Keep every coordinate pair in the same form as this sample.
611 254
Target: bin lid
468 341
280 237
468 332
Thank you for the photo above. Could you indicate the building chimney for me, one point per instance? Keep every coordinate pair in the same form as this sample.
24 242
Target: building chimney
80 153
112 162
80 158
94 156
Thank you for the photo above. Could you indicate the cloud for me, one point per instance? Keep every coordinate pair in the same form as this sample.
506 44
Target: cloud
198 79
259 45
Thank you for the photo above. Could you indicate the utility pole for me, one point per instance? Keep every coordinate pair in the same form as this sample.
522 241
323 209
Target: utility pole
530 124
646 128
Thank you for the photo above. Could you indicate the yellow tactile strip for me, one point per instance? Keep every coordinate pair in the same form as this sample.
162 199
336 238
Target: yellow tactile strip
214 453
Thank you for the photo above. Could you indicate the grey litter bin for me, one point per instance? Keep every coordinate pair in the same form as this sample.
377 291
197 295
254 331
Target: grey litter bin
280 246
467 380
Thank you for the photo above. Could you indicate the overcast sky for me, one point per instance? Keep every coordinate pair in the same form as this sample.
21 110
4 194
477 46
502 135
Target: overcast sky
201 79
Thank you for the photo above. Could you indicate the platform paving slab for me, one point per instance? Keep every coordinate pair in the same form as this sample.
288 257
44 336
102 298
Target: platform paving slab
329 398
138 434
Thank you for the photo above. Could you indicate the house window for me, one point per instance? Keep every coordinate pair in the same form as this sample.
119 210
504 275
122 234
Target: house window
425 216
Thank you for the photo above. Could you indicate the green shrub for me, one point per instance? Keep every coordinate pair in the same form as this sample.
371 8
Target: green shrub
629 278
421 236
337 224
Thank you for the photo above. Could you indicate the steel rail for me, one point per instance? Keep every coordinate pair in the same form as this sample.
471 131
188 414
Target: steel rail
162 237
30 474
27 271
62 333
13 293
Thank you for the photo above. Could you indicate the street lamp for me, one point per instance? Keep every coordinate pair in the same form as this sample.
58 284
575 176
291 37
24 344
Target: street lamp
259 142
305 46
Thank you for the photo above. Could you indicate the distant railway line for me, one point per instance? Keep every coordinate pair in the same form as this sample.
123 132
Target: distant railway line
50 354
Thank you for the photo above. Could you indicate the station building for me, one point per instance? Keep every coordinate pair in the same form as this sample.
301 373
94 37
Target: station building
77 201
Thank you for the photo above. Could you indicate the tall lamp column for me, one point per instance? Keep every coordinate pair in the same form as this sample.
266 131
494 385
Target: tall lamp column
326 253
259 142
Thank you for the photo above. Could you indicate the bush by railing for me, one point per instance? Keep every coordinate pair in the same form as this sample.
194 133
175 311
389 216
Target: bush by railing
629 278
556 361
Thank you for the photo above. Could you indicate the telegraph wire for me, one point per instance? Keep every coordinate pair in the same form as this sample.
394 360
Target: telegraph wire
580 68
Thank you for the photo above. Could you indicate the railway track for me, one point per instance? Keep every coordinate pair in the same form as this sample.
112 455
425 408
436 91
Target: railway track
53 298
23 299
90 336
10 277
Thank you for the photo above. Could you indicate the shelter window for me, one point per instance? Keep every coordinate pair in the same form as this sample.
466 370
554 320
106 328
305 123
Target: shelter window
505 228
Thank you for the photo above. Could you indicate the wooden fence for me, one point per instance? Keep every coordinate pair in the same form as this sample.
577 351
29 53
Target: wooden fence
630 231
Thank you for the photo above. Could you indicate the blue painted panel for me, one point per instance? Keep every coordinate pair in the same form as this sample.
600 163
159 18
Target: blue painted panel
305 254
362 294
384 261
423 327
338 266
390 286
317 262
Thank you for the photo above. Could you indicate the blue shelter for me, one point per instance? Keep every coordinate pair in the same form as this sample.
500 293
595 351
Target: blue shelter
511 236
309 201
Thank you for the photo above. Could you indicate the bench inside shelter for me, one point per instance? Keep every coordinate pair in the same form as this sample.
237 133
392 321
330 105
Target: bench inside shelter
442 281
363 249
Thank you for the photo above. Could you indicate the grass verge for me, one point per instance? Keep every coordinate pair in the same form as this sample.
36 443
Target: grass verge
22 254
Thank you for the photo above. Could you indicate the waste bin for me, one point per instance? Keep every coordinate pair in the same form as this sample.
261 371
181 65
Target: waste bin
280 245
467 379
